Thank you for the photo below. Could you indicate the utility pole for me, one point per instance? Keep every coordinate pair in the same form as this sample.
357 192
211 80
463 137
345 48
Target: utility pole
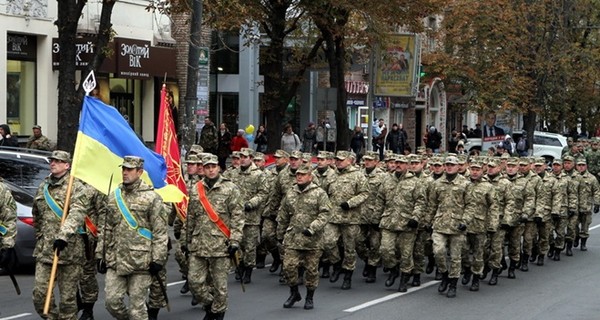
191 96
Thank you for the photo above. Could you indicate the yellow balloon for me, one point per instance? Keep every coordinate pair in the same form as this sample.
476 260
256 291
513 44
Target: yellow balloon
250 129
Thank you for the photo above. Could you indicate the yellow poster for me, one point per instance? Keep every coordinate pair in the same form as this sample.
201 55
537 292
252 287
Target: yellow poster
397 64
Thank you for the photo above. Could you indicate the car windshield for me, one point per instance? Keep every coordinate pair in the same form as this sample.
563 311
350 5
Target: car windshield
20 195
26 173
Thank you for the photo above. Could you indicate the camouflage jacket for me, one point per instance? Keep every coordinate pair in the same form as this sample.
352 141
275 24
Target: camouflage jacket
306 209
593 161
203 237
349 186
251 183
97 201
548 197
47 223
39 143
533 182
447 204
270 176
284 181
209 137
127 251
518 198
370 214
231 173
325 178
8 218
561 203
572 190
399 201
426 183
482 209
589 192
503 196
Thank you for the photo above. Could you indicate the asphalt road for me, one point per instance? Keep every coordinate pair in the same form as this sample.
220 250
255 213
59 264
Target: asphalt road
559 290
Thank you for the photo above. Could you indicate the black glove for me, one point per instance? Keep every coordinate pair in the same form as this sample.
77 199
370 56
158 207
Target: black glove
177 234
344 205
154 268
537 220
307 232
185 250
505 226
7 257
101 266
523 219
412 223
491 233
429 228
375 227
232 249
247 207
596 208
572 213
462 227
59 245
555 217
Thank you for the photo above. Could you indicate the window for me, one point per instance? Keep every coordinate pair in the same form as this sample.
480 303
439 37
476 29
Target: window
20 96
547 141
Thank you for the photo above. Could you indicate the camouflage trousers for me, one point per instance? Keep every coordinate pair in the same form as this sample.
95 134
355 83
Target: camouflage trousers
67 278
348 233
182 260
557 238
536 233
442 243
514 242
368 244
572 228
156 298
473 252
309 259
397 249
268 234
530 231
88 285
213 292
135 286
585 219
496 249
422 248
248 245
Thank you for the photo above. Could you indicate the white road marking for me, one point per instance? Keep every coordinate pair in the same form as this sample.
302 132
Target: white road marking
595 227
21 315
391 296
170 284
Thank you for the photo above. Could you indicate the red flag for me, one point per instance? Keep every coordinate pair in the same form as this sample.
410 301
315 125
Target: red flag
167 146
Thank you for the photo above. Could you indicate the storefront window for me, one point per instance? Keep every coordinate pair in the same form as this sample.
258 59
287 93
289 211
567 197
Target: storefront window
20 96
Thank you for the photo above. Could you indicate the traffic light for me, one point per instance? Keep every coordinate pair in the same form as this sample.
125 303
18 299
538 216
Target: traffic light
422 72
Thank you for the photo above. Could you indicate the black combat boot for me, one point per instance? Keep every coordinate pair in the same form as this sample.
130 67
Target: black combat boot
576 242
393 274
366 269
301 275
534 252
209 314
372 274
524 263
294 297
438 274
466 277
494 278
503 263
194 300
337 270
153 313
583 243
430 264
551 251
452 288
403 280
569 251
276 261
88 311
260 261
186 288
247 275
540 260
218 316
325 273
474 284
556 256
484 275
444 284
308 302
511 269
347 284
416 280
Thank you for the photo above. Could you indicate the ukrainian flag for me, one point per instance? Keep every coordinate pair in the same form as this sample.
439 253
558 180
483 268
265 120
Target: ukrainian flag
103 140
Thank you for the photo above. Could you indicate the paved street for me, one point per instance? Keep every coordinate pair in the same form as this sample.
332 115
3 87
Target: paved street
559 290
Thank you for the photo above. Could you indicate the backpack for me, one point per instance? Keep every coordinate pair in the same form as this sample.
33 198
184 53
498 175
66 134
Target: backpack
522 145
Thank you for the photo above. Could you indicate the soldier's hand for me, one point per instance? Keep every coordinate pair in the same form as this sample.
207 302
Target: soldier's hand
537 220
571 213
59 245
185 250
344 205
523 218
101 266
154 268
247 207
555 217
307 232
7 257
177 234
491 233
232 249
596 208
462 227
412 223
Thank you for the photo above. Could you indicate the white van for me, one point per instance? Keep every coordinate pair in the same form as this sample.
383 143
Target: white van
545 144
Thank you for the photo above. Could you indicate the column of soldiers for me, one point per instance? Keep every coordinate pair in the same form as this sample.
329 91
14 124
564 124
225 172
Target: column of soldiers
455 213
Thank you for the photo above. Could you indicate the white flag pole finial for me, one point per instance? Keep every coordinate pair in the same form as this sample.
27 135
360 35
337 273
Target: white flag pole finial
89 83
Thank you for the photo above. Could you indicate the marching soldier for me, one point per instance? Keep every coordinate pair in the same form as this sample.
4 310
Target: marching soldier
303 215
589 201
232 170
528 213
132 245
548 204
213 236
558 223
8 227
47 213
324 175
572 176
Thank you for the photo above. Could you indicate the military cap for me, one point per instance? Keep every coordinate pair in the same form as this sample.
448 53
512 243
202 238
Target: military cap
247 152
505 155
210 159
296 154
524 160
539 161
462 159
132 162
568 158
476 164
389 156
451 160
307 157
304 168
570 139
414 158
323 155
512 161
259 155
37 126
281 154
342 155
371 155
196 148
193 159
401 158
557 161
330 155
235 154
60 156
595 140
421 149
494 162
581 160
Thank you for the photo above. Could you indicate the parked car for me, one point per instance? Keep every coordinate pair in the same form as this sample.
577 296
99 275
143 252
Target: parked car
25 240
545 144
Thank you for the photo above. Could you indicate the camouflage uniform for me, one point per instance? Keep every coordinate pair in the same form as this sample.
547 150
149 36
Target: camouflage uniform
589 195
593 159
8 226
559 217
47 229
268 226
548 203
530 229
572 177
505 199
129 250
38 143
207 245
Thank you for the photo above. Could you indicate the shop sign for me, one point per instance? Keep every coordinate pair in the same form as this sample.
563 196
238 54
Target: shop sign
21 47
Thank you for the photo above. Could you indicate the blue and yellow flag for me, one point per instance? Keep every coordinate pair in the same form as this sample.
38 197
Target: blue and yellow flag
103 140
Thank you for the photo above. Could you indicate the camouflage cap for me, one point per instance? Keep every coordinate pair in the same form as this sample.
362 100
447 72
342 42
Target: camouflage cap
421 149
401 158
568 158
389 156
557 161
415 158
235 154
296 154
60 156
451 160
193 159
307 157
512 161
371 155
476 164
132 162
570 139
281 154
304 168
524 160
581 160
462 159
494 162
247 152
196 148
210 159
330 155
505 155
323 155
436 160
342 155
37 126
259 155
539 161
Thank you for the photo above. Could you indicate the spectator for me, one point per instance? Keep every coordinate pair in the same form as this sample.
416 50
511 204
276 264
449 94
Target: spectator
522 146
309 138
289 140
357 143
460 148
477 133
238 142
38 141
401 128
260 139
6 139
209 138
434 140
379 134
224 149
395 140
510 145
